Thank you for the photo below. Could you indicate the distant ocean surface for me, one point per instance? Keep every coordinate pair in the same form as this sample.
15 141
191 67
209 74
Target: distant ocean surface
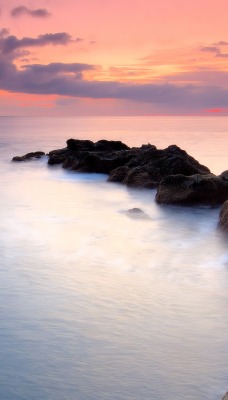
95 305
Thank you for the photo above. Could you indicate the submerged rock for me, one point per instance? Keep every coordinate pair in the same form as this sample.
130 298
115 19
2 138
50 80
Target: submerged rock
223 222
136 213
195 189
29 156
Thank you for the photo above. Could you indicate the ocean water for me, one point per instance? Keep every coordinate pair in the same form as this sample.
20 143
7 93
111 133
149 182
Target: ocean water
95 305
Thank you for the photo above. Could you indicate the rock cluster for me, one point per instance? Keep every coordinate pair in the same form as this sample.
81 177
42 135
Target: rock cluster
29 156
180 178
143 166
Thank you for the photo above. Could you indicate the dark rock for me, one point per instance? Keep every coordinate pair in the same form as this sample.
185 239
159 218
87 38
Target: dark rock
137 213
29 156
110 145
139 177
150 165
143 166
223 221
58 156
80 145
196 189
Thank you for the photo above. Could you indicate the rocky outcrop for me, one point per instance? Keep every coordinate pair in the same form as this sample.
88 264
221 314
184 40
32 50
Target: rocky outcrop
223 222
143 166
29 156
196 189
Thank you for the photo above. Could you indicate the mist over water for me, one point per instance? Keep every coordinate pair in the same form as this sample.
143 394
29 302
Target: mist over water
95 304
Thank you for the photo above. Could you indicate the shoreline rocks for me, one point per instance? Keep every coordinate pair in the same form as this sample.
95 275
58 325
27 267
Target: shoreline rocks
29 156
179 178
141 167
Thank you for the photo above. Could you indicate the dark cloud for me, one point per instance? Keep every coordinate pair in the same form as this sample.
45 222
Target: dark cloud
22 10
57 68
10 43
67 80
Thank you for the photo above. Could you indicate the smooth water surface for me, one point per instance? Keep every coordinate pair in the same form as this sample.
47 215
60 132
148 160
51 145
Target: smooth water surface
95 304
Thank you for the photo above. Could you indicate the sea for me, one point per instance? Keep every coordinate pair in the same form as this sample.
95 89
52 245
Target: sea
96 304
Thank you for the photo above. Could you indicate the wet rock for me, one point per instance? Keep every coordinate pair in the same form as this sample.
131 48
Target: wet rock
29 156
223 222
195 189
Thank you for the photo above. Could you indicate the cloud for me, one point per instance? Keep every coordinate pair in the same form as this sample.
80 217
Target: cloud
210 49
10 43
57 79
221 43
57 68
215 49
222 55
68 80
4 32
22 10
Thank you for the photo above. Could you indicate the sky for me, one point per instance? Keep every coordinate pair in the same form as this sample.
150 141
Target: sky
113 57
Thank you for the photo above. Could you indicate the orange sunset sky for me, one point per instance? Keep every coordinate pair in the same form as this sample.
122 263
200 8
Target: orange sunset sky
114 57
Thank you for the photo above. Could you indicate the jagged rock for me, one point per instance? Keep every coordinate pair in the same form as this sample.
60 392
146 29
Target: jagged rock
223 222
150 166
196 189
29 156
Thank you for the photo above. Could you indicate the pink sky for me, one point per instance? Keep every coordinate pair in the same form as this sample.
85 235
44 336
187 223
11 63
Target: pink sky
112 57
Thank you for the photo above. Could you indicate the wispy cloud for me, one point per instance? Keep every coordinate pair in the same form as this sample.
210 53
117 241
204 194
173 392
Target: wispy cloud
210 49
216 49
221 43
23 10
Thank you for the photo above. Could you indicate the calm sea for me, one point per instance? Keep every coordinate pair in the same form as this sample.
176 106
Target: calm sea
95 305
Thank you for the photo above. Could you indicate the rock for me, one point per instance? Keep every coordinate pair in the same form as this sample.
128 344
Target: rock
225 397
223 222
110 145
137 213
80 145
58 156
100 162
195 189
29 156
139 177
150 165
